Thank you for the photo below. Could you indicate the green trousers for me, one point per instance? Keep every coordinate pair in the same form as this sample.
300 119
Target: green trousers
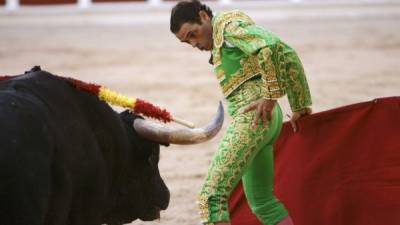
243 154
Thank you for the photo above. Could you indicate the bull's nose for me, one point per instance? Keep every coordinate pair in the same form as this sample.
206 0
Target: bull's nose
158 214
152 214
163 204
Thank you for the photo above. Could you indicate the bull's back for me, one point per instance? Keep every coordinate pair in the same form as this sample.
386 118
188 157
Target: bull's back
50 161
25 159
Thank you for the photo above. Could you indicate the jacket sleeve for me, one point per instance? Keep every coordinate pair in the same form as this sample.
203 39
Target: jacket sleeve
298 92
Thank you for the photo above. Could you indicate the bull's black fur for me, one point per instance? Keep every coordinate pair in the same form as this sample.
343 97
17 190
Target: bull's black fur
66 158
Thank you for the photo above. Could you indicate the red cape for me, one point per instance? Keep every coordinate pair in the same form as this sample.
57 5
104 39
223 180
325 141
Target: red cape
341 168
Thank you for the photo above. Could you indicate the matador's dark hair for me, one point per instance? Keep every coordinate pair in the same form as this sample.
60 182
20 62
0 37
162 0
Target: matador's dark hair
187 11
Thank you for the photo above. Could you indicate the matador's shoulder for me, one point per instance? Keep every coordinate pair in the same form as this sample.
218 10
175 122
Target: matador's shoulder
220 21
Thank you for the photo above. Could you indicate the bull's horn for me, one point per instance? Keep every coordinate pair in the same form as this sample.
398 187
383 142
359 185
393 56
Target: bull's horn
182 136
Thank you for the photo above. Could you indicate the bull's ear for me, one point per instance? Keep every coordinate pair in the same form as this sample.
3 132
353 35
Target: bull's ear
164 144
128 116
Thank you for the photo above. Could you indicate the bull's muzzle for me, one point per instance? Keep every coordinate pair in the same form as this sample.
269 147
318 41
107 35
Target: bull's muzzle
183 136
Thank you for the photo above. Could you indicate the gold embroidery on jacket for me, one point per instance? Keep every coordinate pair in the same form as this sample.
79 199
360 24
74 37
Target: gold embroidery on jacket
221 20
249 69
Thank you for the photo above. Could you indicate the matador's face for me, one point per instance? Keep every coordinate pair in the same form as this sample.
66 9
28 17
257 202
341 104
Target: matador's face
197 35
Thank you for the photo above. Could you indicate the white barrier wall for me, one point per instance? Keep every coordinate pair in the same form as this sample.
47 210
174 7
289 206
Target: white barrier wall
83 4
12 4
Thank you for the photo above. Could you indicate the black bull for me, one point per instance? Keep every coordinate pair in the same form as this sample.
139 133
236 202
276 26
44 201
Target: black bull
67 158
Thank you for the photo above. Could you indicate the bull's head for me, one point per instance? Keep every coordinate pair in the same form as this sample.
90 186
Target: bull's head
147 191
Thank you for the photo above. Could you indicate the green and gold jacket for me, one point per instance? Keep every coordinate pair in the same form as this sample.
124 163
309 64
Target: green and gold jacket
243 50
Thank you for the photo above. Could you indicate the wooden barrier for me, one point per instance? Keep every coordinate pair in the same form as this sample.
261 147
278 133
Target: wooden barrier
46 2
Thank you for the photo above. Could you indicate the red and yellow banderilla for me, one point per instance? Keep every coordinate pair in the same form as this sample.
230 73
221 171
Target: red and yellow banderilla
135 104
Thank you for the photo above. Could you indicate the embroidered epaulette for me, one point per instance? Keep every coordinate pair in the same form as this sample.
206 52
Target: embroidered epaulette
224 18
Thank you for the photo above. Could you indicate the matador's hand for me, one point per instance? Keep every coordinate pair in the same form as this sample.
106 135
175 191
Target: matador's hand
264 109
298 114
